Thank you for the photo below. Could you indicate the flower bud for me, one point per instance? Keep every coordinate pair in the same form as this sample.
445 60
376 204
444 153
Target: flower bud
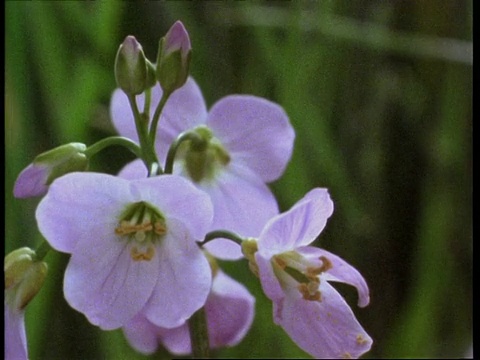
36 177
24 277
131 67
173 59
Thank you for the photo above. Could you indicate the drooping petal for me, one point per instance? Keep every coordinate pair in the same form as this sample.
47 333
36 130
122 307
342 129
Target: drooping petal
103 281
255 132
79 203
176 341
31 181
141 334
184 279
299 226
326 329
230 311
15 336
242 202
177 198
341 271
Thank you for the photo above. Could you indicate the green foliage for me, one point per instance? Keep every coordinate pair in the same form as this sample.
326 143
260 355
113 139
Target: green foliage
379 94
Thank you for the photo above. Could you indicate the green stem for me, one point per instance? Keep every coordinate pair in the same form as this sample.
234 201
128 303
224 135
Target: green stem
156 117
113 140
146 105
141 124
197 325
42 250
184 136
224 234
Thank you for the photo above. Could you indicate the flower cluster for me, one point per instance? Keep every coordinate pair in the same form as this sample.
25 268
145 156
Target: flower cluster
144 243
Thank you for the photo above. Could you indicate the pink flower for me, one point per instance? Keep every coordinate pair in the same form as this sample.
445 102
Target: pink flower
229 311
296 276
250 141
133 246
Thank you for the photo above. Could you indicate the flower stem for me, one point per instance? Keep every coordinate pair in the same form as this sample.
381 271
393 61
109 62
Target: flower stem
197 325
42 250
156 117
113 140
184 136
141 124
225 234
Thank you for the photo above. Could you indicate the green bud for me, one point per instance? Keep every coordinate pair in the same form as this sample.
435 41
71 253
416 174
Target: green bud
173 60
24 277
131 67
63 160
35 178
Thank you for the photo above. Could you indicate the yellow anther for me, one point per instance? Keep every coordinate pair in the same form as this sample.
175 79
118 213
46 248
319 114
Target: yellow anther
137 255
327 264
347 355
160 229
280 262
305 290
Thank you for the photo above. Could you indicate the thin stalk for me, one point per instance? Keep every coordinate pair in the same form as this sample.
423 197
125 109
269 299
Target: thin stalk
172 151
224 234
197 326
156 117
113 140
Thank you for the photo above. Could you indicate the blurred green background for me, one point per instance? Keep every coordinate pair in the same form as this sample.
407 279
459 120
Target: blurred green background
380 95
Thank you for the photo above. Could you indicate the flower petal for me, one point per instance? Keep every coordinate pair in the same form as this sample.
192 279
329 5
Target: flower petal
341 271
224 249
184 109
103 281
326 329
177 198
299 226
141 334
230 311
255 132
15 336
242 202
31 181
184 279
134 170
268 279
79 203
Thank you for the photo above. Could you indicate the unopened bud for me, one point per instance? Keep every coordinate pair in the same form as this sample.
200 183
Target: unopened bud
173 61
36 177
24 277
131 67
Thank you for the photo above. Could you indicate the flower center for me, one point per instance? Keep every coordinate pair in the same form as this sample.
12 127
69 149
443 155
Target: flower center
142 224
203 160
291 268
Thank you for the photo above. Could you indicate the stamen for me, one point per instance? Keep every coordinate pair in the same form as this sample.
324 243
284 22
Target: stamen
305 290
160 229
137 255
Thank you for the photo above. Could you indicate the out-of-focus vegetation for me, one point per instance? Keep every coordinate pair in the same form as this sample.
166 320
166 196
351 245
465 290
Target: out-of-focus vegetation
379 93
